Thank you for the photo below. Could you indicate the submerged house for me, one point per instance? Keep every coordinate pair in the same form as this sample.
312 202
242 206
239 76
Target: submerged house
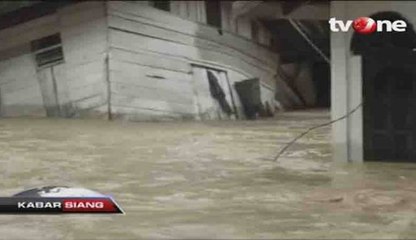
151 60
146 60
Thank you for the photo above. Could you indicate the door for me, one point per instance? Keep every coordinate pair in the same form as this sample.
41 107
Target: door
389 112
49 90
213 96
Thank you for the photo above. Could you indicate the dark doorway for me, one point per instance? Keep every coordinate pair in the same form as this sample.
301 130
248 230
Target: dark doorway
389 92
389 112
322 81
213 12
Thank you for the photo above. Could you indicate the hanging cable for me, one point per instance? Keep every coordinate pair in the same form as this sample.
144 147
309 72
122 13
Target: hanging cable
310 42
287 145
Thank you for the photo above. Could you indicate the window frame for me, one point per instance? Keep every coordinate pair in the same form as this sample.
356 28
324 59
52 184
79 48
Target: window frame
39 48
162 7
216 19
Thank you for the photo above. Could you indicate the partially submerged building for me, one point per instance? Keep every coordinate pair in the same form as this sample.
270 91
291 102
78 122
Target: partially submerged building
151 60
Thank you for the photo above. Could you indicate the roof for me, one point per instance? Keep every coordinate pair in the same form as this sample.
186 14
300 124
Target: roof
17 12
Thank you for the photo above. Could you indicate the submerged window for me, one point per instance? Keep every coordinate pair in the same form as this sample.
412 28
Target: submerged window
48 50
162 5
213 11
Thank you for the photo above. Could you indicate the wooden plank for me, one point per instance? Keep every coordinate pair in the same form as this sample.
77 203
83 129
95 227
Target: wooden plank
180 87
17 62
180 38
30 109
19 87
87 91
81 13
83 71
93 101
24 96
76 84
84 54
59 72
158 58
149 30
47 84
95 26
18 72
149 59
147 93
131 41
90 78
152 29
133 69
135 114
169 21
17 84
150 104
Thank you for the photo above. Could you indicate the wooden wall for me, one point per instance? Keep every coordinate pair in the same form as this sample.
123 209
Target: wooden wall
128 59
80 80
20 92
84 37
151 53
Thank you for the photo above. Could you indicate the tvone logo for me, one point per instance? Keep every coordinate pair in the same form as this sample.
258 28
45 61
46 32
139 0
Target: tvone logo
366 25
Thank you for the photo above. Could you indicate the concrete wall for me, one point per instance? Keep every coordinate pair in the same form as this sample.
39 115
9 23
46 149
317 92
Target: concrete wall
80 80
346 75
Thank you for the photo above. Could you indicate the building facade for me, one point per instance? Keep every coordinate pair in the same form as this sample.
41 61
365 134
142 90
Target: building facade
140 60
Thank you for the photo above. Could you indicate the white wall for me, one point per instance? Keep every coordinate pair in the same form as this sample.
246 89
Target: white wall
151 51
80 79
84 38
19 90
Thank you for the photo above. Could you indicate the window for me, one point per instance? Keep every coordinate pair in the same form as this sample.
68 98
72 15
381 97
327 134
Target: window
48 50
162 5
255 28
213 11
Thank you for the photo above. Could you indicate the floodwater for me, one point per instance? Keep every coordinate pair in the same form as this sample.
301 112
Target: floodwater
206 180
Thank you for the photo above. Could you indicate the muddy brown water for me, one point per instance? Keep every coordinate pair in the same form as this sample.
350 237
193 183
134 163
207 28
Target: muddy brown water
203 180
